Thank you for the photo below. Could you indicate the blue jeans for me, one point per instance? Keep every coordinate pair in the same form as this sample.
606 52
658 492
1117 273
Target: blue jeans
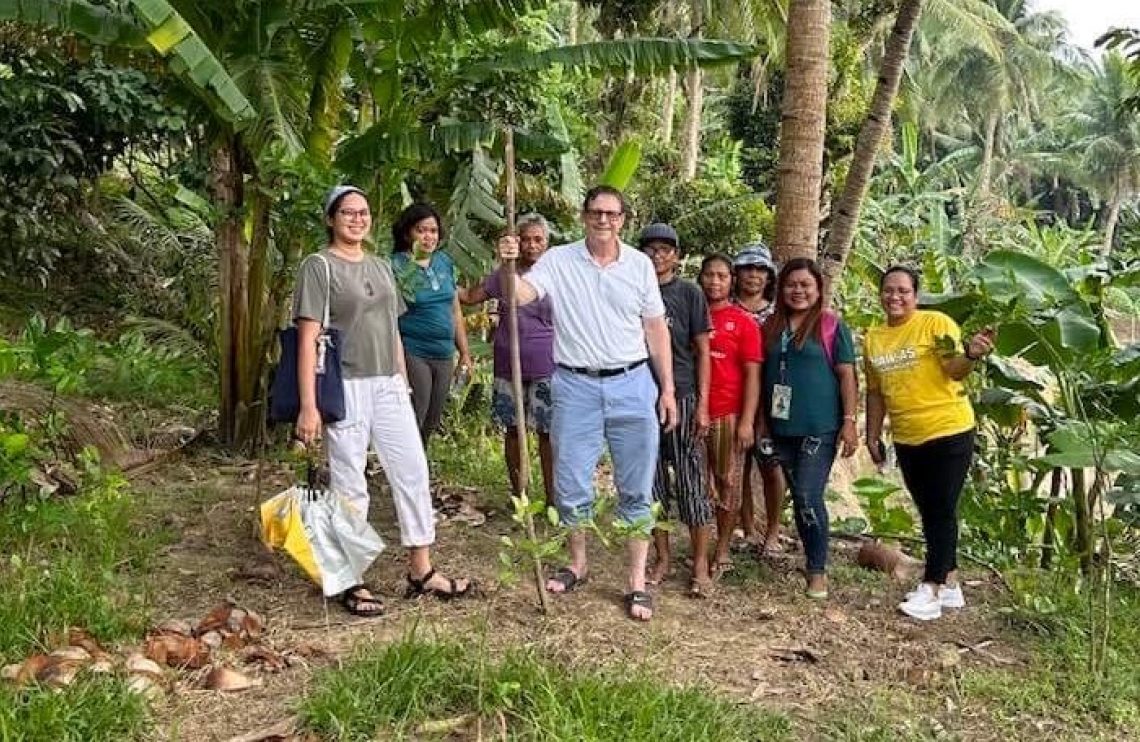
620 411
806 462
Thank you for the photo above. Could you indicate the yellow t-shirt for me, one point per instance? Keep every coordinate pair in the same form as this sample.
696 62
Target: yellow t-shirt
903 364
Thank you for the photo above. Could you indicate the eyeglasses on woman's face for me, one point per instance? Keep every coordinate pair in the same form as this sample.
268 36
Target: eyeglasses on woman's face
354 214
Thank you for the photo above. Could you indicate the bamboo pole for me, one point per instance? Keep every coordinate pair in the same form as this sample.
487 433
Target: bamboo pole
509 274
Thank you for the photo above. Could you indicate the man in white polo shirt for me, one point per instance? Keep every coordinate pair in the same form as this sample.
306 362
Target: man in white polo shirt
608 320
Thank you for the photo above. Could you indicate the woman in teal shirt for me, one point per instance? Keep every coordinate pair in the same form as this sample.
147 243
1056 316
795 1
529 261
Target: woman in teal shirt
809 400
432 329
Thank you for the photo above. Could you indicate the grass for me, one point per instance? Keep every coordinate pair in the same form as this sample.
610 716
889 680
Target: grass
97 708
1059 685
391 692
71 562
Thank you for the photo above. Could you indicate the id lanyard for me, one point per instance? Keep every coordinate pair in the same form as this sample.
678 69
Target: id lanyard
785 340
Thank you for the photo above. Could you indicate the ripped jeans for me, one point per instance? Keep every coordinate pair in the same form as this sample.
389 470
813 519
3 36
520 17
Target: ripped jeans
806 462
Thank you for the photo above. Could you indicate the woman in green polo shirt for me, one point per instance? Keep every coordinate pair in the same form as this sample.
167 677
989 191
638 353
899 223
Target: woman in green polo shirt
809 401
432 329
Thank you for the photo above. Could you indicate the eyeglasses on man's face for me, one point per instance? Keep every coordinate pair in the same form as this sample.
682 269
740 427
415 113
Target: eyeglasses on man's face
598 215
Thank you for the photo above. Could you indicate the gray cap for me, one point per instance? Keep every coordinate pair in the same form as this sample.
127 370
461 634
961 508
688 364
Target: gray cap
658 232
336 192
757 255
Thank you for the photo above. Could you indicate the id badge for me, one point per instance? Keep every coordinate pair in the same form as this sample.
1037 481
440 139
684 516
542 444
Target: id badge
781 401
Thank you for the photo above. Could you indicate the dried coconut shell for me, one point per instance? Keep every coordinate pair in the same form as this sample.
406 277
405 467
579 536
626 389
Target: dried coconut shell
102 665
225 679
216 619
32 667
234 621
145 685
137 663
267 658
253 625
175 626
212 639
77 637
60 673
894 562
73 654
175 650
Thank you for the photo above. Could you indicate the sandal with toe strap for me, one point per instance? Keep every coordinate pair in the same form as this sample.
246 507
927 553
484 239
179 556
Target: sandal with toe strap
419 587
359 601
638 598
569 580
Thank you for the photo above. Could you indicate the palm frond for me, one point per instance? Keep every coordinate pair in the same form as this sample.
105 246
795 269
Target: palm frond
640 55
971 23
95 23
171 36
380 145
330 61
473 196
622 165
571 186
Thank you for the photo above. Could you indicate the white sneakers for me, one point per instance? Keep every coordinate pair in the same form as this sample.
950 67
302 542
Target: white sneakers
925 604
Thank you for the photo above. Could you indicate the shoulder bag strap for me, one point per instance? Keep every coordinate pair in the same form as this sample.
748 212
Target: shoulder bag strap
328 289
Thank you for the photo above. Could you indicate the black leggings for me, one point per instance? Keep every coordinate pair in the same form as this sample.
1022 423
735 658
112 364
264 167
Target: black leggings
934 473
430 379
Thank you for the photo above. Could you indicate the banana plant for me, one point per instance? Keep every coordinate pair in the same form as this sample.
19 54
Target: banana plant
1058 367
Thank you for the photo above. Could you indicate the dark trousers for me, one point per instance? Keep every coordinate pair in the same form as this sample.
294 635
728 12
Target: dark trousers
430 379
807 462
934 473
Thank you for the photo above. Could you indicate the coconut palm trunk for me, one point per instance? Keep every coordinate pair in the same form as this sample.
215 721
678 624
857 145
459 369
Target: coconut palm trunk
694 89
669 108
803 121
1110 222
877 124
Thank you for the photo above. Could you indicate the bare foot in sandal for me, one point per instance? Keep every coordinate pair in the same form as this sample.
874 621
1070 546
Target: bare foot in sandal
660 572
359 601
564 580
639 605
435 584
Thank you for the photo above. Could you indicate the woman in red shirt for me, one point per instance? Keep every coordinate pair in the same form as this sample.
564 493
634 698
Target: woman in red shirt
734 394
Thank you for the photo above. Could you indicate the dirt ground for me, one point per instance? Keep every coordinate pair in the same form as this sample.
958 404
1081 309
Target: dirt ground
757 639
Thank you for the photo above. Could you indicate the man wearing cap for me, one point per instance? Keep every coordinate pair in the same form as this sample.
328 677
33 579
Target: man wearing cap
680 476
756 292
608 316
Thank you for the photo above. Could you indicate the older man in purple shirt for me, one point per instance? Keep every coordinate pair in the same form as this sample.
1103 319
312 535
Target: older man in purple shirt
536 352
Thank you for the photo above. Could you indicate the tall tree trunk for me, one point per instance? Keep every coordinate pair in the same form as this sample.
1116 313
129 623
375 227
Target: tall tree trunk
803 121
1110 222
1049 539
846 217
668 112
227 184
987 157
1082 519
695 89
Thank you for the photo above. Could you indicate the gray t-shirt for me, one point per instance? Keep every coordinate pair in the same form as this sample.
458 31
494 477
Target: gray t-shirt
687 314
364 306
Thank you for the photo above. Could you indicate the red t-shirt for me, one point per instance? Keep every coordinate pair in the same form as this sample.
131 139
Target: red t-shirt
733 342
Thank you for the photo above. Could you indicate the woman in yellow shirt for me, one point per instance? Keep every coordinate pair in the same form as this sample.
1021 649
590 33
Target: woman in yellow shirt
914 374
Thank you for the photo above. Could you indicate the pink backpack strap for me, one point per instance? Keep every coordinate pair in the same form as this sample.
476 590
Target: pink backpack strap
829 326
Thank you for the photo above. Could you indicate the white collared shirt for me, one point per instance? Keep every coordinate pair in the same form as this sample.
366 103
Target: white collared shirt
598 310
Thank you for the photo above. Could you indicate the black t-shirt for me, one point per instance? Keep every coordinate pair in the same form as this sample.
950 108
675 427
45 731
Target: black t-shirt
687 315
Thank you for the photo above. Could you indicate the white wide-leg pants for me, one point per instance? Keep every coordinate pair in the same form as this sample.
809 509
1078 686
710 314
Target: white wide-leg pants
379 410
